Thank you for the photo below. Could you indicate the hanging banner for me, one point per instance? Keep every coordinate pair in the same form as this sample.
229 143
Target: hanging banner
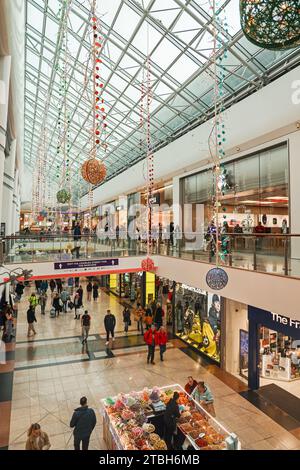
67 265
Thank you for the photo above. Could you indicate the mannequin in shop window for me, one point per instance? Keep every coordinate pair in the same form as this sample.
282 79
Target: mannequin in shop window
179 316
188 320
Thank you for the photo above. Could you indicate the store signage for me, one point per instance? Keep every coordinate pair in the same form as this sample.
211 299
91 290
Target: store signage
285 320
194 289
274 321
67 265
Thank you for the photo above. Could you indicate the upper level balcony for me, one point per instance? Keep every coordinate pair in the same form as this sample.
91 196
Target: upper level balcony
265 253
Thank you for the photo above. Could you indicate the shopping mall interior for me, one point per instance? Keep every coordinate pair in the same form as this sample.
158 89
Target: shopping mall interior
150 249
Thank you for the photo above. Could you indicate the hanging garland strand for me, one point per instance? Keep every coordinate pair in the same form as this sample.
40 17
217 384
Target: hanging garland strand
217 139
63 141
93 171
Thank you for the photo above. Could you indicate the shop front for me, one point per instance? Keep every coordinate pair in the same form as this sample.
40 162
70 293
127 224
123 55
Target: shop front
198 319
261 346
255 188
139 287
274 347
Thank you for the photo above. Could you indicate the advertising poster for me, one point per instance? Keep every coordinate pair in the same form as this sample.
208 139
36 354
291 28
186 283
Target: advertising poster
211 329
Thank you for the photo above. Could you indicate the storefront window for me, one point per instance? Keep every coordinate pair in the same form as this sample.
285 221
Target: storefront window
198 319
254 188
279 356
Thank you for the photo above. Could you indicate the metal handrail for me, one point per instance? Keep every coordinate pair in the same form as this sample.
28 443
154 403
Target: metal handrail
124 234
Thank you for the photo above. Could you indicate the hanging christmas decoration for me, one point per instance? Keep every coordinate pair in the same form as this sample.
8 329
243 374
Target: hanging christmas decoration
148 264
217 279
63 196
63 123
271 24
145 126
93 170
217 141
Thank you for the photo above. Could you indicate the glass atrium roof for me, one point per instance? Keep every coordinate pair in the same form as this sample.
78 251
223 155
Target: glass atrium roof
177 35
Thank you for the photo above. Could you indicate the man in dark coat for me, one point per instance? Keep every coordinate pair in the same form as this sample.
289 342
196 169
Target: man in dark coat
30 320
109 324
83 421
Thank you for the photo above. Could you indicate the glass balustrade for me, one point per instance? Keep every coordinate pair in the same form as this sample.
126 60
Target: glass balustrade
277 253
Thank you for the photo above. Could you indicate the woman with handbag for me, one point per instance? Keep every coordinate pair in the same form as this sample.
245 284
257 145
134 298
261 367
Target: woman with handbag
77 305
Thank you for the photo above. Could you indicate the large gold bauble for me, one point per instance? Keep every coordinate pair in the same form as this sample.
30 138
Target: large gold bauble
93 171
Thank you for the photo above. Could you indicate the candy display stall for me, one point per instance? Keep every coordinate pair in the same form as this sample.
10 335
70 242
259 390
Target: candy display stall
134 421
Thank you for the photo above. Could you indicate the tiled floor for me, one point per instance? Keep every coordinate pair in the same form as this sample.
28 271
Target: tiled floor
49 392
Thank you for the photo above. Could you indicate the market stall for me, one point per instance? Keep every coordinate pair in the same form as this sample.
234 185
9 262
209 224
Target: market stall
134 421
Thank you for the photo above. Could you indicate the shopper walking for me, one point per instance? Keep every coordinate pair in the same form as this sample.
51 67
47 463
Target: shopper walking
64 298
139 315
85 325
33 301
57 304
89 289
37 286
43 301
148 319
83 421
159 314
126 318
37 439
19 290
44 285
8 327
77 305
171 415
52 285
30 320
109 324
95 291
152 340
80 292
162 341
202 394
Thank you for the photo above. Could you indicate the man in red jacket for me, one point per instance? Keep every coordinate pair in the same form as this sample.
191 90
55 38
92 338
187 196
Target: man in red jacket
151 338
162 341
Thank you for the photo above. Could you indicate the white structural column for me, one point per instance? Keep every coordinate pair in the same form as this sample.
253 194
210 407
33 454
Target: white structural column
177 215
8 209
5 65
16 203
